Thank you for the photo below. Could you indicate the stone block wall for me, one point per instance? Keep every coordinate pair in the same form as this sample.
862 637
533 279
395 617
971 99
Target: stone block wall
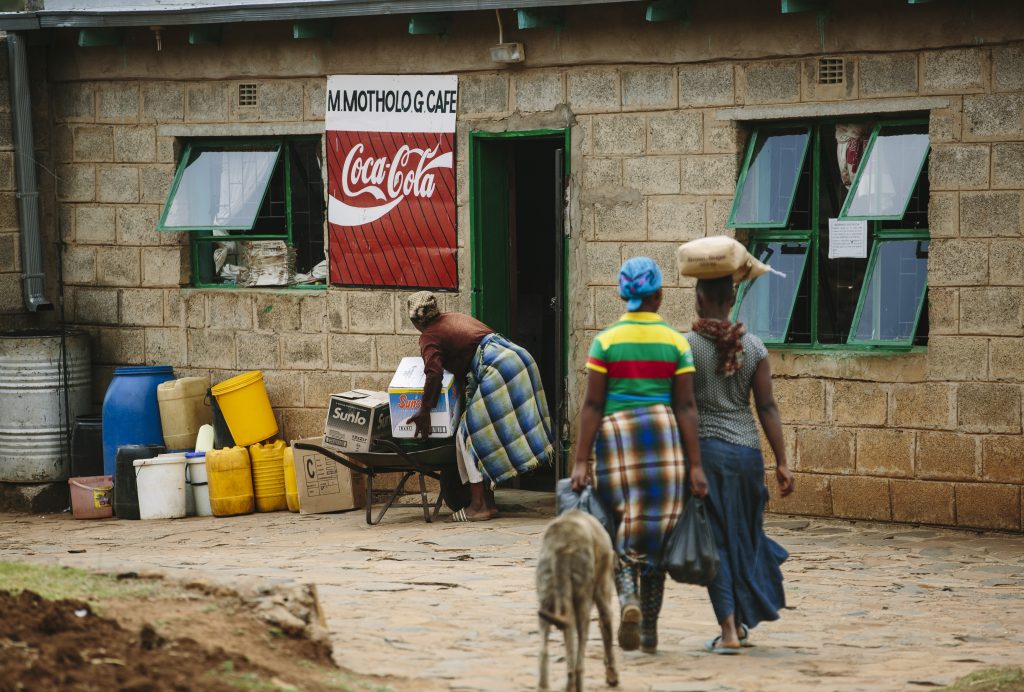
10 248
127 283
932 437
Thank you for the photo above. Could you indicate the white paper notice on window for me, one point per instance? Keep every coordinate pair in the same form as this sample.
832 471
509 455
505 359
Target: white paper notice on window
847 239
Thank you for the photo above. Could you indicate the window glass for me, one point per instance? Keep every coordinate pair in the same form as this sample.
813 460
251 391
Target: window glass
769 184
915 216
892 294
888 177
767 303
221 189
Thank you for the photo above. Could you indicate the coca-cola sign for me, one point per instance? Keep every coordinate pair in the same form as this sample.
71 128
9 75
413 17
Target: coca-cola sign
391 180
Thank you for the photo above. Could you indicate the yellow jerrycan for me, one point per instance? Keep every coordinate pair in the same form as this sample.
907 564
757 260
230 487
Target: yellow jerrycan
229 474
291 488
268 476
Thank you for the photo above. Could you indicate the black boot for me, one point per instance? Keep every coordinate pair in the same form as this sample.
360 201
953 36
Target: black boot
652 592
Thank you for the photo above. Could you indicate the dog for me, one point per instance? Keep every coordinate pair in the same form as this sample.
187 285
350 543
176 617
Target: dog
575 571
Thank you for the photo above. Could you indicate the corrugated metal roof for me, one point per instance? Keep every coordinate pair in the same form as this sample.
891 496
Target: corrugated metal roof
118 13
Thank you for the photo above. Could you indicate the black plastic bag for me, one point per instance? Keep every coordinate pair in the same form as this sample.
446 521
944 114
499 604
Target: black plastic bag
691 556
586 501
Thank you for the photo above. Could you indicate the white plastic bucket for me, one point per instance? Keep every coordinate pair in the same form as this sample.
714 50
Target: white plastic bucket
190 509
161 483
199 484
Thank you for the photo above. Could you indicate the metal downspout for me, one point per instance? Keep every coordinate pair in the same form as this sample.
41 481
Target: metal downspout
25 168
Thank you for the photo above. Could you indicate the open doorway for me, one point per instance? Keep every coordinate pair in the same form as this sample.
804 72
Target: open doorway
517 243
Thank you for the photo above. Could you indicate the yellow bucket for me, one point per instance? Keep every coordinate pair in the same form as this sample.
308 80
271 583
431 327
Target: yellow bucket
291 488
268 476
229 475
246 408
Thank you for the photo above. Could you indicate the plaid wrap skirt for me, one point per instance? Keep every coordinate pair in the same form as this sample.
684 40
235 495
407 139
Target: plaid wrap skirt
507 425
640 476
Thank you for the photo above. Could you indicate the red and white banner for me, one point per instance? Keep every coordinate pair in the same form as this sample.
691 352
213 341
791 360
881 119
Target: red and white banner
391 180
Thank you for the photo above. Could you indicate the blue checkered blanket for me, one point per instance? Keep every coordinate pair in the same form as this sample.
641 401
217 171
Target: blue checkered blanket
507 425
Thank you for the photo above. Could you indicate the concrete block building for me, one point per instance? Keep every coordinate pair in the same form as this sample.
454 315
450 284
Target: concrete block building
628 128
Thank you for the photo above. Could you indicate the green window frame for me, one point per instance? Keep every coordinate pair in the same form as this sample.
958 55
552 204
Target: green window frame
758 248
754 151
868 292
277 191
872 153
804 328
201 148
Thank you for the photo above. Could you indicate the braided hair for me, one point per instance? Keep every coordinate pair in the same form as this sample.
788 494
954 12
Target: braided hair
726 335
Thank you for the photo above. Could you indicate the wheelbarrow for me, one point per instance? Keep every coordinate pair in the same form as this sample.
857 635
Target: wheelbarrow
428 459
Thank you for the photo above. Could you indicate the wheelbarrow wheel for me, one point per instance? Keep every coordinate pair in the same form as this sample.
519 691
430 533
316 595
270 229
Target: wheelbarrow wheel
454 493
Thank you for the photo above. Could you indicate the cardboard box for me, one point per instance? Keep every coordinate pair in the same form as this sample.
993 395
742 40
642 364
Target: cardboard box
355 418
323 485
406 396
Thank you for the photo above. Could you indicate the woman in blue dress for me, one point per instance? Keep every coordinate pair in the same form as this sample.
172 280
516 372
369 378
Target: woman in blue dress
729 365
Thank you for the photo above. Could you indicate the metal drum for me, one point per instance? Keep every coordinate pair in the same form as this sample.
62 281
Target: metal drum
45 383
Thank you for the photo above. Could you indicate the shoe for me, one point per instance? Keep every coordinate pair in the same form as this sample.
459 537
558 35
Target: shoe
629 625
648 642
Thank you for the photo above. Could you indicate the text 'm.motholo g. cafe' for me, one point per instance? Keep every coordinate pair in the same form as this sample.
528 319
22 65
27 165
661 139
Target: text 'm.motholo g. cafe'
391 180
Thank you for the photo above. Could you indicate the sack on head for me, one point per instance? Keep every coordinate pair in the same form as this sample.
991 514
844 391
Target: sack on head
717 256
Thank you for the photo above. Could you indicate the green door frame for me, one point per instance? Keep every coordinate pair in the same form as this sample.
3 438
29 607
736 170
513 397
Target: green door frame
478 202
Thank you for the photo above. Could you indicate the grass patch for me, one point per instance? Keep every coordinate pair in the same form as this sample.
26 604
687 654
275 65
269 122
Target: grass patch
1009 679
54 583
227 674
348 683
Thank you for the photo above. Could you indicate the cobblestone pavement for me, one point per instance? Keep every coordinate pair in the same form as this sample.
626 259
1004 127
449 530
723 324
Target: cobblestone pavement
871 606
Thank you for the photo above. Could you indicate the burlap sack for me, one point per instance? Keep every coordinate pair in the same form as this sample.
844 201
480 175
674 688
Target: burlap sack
718 256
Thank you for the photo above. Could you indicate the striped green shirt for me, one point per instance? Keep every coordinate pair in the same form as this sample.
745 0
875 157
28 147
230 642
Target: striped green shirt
641 355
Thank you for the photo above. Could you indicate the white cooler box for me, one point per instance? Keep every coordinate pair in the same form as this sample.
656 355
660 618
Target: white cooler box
405 394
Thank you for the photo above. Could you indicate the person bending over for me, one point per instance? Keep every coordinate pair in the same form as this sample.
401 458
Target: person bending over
505 430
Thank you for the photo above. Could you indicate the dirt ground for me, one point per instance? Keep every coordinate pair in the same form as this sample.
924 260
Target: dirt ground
147 634
452 606
64 645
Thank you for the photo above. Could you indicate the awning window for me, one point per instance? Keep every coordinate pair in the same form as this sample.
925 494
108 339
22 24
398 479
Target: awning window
893 161
766 304
219 188
768 182
893 295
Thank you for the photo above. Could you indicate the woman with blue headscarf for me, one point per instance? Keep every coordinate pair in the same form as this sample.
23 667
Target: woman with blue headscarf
638 416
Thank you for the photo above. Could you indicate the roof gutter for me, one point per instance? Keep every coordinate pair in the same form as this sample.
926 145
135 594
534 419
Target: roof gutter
25 169
284 11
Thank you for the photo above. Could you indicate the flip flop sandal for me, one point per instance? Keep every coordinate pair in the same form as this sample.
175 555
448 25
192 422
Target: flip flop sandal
461 516
745 637
712 647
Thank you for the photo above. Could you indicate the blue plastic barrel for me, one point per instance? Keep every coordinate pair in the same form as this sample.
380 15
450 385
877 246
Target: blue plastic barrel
131 414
